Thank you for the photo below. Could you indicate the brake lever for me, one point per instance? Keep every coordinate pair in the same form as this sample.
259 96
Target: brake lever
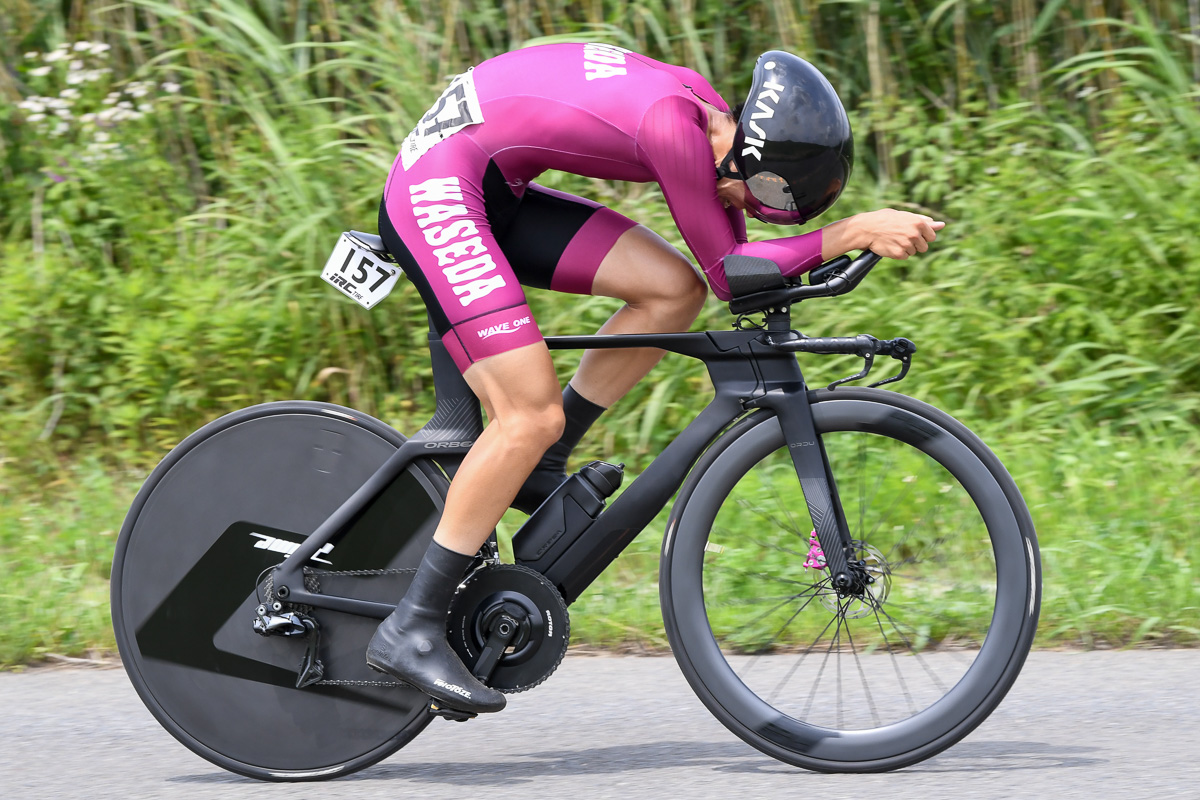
868 362
905 363
900 349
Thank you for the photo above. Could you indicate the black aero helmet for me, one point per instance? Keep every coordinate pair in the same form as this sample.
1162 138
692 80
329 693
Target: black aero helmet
793 145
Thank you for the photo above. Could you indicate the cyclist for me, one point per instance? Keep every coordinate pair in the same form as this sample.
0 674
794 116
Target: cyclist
461 215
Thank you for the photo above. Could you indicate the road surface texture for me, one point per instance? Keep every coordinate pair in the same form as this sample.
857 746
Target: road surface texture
1076 725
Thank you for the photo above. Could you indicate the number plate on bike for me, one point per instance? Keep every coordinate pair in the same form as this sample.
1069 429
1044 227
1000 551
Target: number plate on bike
359 272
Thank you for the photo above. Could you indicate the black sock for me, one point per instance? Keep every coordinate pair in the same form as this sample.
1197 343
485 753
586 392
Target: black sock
551 471
437 579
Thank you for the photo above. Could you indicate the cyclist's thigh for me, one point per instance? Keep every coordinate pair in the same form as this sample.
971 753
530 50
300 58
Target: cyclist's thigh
642 267
557 241
434 219
515 382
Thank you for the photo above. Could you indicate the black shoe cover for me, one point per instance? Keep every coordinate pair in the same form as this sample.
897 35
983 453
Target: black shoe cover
410 645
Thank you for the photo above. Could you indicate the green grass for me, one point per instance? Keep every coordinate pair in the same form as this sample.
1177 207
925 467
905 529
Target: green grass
56 546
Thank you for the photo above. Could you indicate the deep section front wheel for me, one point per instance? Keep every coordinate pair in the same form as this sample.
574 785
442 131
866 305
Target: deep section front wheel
226 505
861 681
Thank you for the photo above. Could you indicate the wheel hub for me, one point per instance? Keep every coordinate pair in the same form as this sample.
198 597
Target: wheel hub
871 585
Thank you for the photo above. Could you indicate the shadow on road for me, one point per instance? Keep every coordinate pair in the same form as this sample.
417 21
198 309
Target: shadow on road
730 757
971 757
507 769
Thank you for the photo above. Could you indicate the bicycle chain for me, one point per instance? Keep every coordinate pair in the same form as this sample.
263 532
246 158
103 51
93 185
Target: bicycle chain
312 583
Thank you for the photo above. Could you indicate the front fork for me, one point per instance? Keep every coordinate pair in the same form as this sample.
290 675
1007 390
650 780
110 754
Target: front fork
792 406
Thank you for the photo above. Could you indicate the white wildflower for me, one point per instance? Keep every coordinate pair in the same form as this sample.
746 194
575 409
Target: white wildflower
35 118
137 90
101 136
145 108
31 104
64 113
1085 91
69 94
74 78
88 119
31 55
170 87
38 72
100 48
55 55
81 46
96 74
111 98
75 65
992 171
125 104
61 128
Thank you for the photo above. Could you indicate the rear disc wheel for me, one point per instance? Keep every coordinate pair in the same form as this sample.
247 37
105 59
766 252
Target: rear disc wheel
230 502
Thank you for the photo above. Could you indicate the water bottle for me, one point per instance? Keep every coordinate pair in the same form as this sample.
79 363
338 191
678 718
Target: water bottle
566 514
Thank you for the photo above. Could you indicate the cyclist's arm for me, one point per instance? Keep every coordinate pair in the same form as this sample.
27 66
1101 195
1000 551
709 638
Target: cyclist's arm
673 140
887 232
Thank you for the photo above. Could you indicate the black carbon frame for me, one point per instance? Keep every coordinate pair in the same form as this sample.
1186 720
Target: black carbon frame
746 374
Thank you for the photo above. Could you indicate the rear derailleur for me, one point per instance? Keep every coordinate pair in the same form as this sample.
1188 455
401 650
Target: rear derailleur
277 620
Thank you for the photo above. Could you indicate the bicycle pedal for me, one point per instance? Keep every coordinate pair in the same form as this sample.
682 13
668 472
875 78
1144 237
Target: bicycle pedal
452 714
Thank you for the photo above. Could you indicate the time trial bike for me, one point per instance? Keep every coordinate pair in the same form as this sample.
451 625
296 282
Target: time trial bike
849 578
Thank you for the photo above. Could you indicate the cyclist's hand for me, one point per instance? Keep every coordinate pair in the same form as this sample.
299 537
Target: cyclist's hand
896 234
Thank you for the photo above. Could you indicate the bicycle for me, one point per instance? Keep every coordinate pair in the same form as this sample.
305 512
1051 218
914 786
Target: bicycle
863 624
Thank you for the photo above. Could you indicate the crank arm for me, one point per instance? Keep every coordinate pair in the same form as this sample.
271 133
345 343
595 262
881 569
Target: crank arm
498 638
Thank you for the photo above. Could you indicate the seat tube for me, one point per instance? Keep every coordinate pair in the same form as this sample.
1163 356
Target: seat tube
816 480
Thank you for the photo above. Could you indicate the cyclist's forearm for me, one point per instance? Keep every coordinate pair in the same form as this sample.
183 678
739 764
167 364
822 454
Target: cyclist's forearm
839 238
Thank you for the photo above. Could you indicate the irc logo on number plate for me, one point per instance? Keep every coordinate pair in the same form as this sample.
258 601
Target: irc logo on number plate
359 272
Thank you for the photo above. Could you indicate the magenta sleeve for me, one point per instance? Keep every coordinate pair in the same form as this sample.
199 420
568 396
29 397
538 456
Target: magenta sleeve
675 146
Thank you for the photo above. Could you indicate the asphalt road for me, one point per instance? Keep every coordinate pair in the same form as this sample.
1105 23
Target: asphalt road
1088 725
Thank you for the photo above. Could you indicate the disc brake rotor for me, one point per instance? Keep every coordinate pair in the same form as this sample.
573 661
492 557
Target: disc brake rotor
543 627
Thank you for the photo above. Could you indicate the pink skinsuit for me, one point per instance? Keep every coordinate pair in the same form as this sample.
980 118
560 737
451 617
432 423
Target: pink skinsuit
593 110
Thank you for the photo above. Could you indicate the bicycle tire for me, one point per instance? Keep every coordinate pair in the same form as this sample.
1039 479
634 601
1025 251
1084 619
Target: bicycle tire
224 506
923 618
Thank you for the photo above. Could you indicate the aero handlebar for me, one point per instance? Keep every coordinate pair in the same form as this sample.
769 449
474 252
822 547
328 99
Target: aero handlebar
832 278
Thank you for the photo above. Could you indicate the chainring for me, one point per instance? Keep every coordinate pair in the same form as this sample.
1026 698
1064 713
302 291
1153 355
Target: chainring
543 626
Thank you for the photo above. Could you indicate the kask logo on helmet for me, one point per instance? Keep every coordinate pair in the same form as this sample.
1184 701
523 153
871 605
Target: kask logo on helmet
770 91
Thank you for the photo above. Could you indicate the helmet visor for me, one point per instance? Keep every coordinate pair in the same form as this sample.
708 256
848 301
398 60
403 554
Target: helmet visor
769 199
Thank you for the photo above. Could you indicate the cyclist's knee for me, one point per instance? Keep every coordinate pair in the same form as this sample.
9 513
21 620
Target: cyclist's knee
533 429
678 299
693 291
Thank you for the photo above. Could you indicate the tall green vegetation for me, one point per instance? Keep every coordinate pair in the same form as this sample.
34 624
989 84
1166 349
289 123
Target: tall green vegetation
174 173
